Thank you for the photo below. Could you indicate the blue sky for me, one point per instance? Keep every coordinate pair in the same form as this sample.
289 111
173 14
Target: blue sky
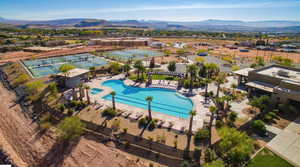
173 10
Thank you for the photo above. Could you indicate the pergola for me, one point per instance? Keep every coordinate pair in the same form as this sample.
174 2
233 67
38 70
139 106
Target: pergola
173 74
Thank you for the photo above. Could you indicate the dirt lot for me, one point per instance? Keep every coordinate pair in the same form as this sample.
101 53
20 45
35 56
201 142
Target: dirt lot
22 141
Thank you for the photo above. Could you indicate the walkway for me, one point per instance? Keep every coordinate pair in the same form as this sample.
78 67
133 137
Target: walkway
287 143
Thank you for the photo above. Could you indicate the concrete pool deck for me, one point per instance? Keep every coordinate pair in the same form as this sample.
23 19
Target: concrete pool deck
201 109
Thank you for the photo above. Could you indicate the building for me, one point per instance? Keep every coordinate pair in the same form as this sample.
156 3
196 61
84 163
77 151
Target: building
74 78
126 42
282 83
157 45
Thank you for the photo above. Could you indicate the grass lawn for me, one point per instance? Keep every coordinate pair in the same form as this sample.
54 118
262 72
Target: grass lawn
267 158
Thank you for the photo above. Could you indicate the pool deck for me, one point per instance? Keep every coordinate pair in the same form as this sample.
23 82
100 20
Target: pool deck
201 109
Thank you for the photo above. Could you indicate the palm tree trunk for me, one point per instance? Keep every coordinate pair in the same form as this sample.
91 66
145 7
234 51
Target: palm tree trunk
88 96
114 104
189 136
218 90
149 111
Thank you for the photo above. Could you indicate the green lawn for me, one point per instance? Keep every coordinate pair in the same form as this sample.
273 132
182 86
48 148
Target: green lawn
267 158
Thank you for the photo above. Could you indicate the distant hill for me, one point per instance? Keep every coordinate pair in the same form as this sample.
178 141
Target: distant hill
206 25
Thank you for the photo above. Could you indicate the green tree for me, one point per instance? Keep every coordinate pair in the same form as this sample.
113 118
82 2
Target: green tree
93 71
192 70
71 128
126 68
138 65
113 94
149 99
261 102
259 127
235 146
87 89
172 66
190 132
220 79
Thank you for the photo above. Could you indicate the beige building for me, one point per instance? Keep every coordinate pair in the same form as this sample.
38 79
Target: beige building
74 78
282 83
127 42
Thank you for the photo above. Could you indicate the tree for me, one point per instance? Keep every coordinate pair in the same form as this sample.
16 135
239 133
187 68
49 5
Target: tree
34 88
206 81
259 127
212 110
53 89
113 94
115 68
71 128
260 61
149 99
260 102
190 133
172 66
152 63
192 70
220 80
233 86
87 88
232 117
235 146
216 163
139 67
126 68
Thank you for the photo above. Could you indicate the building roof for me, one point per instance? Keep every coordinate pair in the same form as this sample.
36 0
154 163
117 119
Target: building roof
243 72
75 72
260 85
281 73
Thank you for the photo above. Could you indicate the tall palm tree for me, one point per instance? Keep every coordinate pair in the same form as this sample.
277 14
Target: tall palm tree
113 94
212 110
149 99
206 82
126 68
93 71
220 80
139 66
190 133
233 86
87 88
192 70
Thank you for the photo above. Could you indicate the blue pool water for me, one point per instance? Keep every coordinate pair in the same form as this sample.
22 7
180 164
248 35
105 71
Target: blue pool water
95 91
47 66
164 100
132 53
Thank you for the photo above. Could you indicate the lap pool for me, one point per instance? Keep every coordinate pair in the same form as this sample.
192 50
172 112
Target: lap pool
164 100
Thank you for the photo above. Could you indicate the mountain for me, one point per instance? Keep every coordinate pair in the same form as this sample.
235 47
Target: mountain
206 25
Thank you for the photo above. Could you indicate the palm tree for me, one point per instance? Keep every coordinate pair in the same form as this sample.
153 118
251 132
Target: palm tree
87 88
233 86
192 69
149 99
126 68
113 94
190 133
139 66
213 110
206 82
220 80
93 71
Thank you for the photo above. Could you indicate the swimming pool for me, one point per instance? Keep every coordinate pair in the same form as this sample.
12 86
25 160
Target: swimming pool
47 66
95 91
135 54
164 100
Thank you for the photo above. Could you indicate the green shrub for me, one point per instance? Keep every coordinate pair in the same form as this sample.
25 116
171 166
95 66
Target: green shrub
210 155
259 127
201 134
109 112
143 122
219 123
